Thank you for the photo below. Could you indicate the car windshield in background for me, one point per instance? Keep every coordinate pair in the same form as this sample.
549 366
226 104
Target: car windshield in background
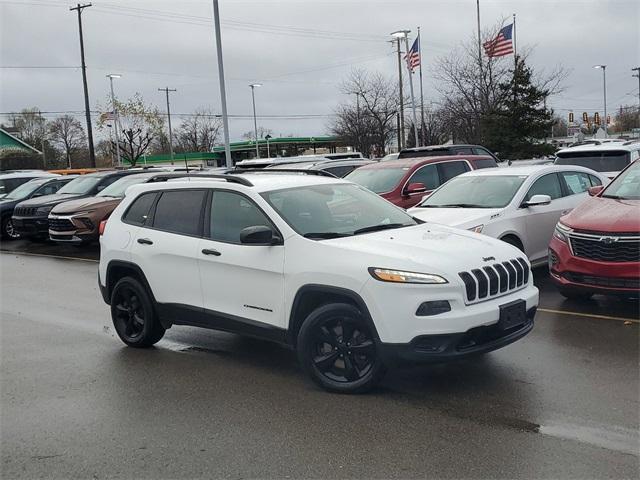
379 180
117 188
80 185
434 152
475 192
337 210
611 161
626 186
24 190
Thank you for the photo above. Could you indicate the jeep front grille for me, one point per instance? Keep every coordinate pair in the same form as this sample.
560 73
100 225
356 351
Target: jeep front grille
495 280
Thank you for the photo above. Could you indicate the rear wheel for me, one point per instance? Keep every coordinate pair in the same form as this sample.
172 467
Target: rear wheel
8 232
338 351
133 315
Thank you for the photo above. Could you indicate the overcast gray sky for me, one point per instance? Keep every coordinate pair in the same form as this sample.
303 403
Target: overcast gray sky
288 45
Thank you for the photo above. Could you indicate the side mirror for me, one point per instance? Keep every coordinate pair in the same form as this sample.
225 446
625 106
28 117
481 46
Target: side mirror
37 194
259 235
416 187
537 200
593 191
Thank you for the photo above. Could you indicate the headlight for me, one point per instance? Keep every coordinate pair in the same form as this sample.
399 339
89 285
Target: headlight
561 231
399 276
43 210
476 229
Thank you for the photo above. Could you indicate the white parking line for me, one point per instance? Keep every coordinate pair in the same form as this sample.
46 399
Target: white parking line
11 252
588 315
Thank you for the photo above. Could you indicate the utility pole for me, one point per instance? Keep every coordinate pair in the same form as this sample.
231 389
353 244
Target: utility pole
401 113
604 95
116 123
422 142
413 98
255 120
92 154
167 90
223 93
637 75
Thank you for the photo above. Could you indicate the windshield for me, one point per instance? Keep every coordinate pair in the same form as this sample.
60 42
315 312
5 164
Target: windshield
335 210
24 190
626 186
117 188
480 191
610 161
80 185
379 180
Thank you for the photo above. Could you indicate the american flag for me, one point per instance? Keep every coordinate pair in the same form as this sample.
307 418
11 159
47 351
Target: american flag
501 45
413 57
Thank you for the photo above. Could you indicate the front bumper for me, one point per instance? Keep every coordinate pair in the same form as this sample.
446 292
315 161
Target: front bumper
453 346
584 275
31 226
72 229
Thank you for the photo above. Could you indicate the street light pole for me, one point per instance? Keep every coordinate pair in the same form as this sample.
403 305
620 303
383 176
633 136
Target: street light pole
116 125
637 75
223 93
255 121
401 113
92 154
167 90
604 91
399 34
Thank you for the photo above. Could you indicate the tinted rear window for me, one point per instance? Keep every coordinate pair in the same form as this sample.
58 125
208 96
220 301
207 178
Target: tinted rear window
610 161
179 211
139 209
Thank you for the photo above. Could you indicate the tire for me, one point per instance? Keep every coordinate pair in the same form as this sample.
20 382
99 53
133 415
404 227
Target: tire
8 232
511 240
337 349
133 314
575 294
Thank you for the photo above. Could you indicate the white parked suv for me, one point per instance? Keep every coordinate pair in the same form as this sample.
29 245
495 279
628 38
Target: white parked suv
350 281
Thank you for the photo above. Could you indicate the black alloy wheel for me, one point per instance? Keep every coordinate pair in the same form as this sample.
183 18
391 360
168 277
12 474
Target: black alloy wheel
8 230
133 314
338 350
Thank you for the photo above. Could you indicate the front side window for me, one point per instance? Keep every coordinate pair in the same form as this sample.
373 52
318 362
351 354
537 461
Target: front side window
138 212
448 170
576 182
335 210
480 191
626 186
595 181
179 211
427 175
9 184
546 185
231 213
379 180
24 190
49 188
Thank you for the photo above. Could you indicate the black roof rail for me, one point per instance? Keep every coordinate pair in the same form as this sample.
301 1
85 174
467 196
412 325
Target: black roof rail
318 173
220 176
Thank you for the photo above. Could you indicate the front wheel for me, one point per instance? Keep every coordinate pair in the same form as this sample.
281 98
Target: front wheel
337 349
8 232
133 315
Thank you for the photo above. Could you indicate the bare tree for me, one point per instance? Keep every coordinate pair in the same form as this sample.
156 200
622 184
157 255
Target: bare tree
68 134
369 122
30 125
262 132
199 132
139 124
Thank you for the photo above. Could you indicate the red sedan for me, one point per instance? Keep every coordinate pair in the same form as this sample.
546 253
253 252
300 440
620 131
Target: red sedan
405 181
596 247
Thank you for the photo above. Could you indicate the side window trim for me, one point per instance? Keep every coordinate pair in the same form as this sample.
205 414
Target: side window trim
211 198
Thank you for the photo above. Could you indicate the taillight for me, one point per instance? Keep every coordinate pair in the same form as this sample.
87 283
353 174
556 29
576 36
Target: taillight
102 226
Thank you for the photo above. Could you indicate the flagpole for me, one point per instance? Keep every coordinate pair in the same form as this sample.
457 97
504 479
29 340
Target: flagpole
413 98
422 143
515 50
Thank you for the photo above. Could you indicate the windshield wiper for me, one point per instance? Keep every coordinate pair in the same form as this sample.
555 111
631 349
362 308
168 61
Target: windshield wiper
462 205
376 228
324 235
615 197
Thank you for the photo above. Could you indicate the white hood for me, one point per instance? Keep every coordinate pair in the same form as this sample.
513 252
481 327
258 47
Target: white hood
456 217
430 244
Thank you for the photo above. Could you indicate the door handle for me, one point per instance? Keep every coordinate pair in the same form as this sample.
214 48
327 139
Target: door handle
211 251
145 241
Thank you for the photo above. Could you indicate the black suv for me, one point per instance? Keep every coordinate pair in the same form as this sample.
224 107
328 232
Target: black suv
30 218
37 187
438 150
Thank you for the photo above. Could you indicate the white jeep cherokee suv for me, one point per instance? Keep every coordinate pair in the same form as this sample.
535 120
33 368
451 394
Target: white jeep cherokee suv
350 281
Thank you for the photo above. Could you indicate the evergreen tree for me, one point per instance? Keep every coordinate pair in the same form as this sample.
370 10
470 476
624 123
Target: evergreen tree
516 126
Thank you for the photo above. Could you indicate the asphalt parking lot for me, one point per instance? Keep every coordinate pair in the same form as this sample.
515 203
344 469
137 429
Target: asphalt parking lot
563 402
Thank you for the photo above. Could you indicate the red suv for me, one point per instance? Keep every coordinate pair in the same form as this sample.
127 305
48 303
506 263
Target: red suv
596 247
405 181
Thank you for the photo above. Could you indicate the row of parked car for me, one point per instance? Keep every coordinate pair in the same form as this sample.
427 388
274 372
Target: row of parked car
520 205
